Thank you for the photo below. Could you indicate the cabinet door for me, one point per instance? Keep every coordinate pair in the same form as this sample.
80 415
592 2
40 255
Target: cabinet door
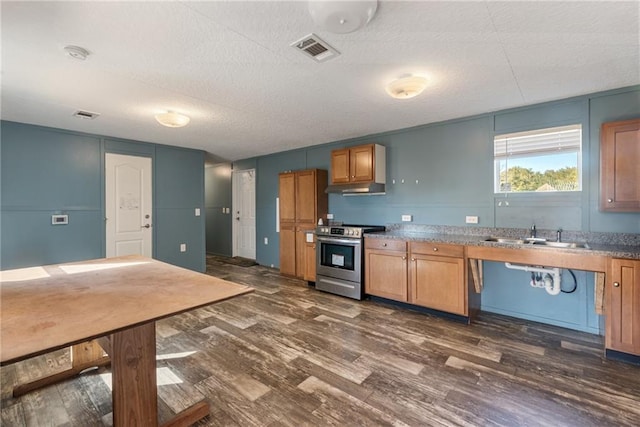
288 249
623 306
310 261
437 282
340 166
386 274
361 163
306 196
619 170
301 246
286 193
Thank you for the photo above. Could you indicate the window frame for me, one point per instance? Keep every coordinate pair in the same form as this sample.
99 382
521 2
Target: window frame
532 132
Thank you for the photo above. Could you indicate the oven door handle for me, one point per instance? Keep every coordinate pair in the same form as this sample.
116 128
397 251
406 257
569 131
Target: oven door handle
350 242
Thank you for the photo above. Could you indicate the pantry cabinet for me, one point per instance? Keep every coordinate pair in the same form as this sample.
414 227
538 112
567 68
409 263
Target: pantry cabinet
363 163
425 274
619 171
622 299
302 203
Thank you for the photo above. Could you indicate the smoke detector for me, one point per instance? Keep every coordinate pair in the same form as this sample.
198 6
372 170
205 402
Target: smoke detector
315 47
77 52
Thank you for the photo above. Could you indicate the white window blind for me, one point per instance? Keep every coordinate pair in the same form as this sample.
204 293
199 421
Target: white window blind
538 142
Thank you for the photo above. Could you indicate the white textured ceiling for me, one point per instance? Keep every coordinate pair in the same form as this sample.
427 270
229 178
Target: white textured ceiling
230 67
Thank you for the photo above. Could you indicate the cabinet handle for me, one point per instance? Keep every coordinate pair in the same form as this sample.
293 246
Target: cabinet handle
435 249
404 257
413 259
610 200
384 244
616 284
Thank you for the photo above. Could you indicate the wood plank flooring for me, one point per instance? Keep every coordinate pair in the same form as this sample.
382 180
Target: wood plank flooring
288 355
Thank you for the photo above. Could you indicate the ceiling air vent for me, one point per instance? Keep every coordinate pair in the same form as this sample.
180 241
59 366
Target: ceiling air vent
316 48
86 114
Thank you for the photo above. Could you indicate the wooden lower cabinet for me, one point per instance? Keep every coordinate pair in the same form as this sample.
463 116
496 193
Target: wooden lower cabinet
310 260
288 249
386 269
622 299
432 275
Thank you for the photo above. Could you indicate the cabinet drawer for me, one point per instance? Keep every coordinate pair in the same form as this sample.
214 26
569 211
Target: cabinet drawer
437 249
388 244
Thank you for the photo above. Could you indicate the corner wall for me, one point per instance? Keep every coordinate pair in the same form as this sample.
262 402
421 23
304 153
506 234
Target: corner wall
47 171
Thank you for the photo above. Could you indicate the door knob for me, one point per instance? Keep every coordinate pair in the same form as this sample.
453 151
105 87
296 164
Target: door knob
610 200
146 226
237 218
616 284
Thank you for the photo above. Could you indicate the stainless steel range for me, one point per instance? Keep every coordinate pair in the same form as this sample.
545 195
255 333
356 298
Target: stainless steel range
340 258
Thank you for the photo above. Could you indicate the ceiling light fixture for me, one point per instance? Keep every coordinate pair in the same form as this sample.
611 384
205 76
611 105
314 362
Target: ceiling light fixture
172 119
77 52
342 16
407 86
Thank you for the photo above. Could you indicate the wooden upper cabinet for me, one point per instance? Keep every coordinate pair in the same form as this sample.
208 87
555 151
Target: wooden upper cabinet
620 166
340 166
363 163
287 195
306 196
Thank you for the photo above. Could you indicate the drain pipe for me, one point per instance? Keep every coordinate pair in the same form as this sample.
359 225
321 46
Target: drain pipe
551 279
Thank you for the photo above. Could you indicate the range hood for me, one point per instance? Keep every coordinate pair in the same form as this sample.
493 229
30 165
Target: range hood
357 189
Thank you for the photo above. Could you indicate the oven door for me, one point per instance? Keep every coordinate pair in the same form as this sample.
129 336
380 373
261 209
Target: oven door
340 258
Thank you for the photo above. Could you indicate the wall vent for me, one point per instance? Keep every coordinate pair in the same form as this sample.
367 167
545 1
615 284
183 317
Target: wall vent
86 114
316 48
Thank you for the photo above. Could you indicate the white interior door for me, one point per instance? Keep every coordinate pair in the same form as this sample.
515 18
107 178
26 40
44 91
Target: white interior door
244 213
128 205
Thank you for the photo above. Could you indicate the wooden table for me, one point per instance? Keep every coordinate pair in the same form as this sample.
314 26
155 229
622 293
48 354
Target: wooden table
116 302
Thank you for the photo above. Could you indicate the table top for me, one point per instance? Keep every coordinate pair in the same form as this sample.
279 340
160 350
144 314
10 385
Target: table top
50 307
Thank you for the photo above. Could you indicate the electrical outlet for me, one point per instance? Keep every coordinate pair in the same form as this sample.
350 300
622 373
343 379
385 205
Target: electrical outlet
329 216
224 210
471 219
197 211
407 218
266 240
183 247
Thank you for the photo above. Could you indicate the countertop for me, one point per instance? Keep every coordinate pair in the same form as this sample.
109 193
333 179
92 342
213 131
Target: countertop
614 250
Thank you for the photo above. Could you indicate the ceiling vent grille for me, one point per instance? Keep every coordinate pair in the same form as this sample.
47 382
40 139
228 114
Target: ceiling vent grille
86 114
316 48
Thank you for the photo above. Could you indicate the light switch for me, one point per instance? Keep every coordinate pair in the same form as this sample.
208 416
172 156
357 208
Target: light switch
197 211
183 247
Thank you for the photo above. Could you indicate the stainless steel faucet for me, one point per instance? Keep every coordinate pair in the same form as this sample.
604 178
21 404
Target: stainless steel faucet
559 235
533 231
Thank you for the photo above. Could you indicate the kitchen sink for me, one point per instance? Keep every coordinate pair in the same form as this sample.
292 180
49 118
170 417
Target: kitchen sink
511 240
572 245
539 243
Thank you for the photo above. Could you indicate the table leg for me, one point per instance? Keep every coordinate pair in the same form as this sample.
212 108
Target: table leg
83 356
133 366
135 396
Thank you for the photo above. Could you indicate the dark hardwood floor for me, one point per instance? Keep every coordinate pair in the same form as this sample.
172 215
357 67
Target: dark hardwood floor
288 355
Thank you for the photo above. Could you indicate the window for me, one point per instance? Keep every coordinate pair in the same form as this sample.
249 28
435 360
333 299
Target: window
542 160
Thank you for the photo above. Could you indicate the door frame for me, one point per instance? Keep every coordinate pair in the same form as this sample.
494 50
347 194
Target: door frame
235 187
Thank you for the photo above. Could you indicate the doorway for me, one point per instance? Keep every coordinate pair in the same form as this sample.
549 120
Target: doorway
243 184
128 205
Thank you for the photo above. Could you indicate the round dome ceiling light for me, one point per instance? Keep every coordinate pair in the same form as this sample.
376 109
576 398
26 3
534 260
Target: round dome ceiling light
172 119
342 16
407 87
77 52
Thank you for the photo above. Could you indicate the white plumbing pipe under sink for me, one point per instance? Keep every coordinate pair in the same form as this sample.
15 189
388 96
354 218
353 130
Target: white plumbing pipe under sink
551 283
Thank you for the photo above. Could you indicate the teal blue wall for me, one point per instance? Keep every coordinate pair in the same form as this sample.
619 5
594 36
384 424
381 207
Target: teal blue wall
46 171
452 163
